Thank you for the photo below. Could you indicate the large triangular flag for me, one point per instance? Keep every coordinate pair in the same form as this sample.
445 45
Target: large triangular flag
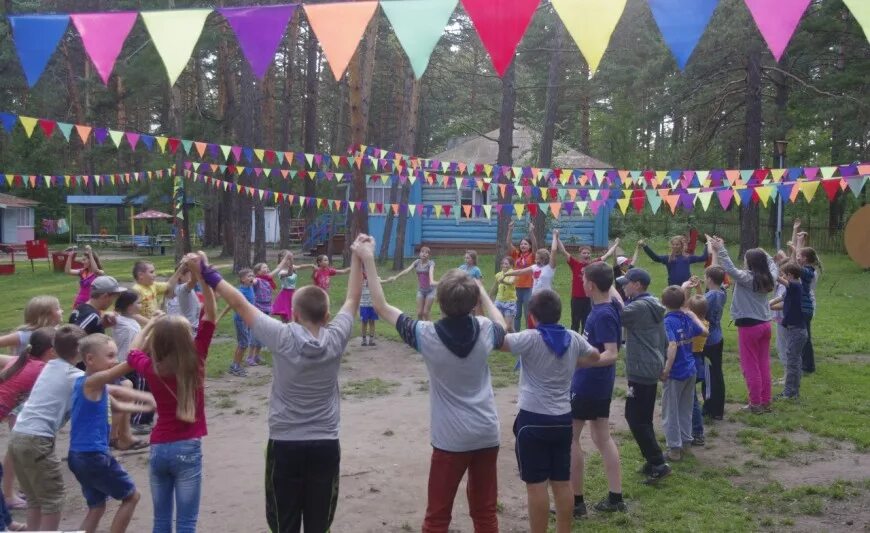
682 23
65 128
339 28
103 35
777 20
175 33
259 31
591 24
29 123
418 26
36 38
500 24
861 10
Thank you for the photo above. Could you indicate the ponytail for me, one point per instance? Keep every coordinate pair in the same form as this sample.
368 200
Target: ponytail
41 341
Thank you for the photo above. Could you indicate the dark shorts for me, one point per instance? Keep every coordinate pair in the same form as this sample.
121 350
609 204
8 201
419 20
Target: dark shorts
589 408
367 314
543 446
101 477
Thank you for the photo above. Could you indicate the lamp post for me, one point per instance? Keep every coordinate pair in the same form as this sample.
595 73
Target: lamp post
780 155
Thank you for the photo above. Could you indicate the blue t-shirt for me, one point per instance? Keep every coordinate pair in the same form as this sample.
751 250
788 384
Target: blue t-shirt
681 329
715 305
89 420
472 271
792 305
604 325
808 277
248 293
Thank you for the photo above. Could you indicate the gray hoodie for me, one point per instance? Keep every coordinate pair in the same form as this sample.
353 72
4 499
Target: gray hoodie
646 341
746 303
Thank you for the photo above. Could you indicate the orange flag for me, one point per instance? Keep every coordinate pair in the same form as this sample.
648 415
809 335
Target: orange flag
339 28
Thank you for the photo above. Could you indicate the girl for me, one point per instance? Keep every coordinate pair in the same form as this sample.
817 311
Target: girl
751 313
173 363
283 306
505 293
543 271
367 314
679 262
470 265
524 257
91 269
424 267
40 312
128 324
323 272
265 286
811 267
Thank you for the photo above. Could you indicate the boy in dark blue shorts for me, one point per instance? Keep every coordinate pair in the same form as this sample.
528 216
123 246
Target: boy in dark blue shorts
549 355
592 388
99 474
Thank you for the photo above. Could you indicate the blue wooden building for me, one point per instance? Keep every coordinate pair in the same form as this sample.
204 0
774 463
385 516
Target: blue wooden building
457 232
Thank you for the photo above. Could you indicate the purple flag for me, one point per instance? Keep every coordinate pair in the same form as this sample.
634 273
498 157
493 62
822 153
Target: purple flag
259 31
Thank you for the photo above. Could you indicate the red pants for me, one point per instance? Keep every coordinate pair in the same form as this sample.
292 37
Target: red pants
445 474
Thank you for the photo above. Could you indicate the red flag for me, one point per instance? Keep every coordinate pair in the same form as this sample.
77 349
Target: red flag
500 24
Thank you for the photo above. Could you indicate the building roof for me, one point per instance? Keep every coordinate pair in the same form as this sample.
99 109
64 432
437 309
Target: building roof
109 200
7 200
483 150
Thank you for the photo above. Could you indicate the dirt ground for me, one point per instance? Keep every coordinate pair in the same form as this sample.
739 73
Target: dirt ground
385 456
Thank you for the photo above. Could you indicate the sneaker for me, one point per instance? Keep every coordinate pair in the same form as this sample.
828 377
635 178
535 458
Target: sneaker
782 397
580 510
675 454
765 408
698 440
250 361
258 360
754 409
371 341
658 473
606 506
237 370
646 469
365 341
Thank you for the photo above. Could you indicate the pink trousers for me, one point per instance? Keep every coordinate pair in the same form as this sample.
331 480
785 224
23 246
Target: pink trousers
754 345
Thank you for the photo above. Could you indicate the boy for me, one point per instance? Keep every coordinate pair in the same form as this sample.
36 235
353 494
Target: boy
698 305
464 419
91 316
643 318
367 314
151 292
548 355
679 372
714 386
185 302
581 305
302 454
31 446
795 327
89 459
592 389
244 339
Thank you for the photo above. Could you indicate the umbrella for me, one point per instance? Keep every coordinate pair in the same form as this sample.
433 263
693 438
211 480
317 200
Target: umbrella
151 215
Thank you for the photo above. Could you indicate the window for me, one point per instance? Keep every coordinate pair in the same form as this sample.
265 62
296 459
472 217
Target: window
378 194
469 196
25 217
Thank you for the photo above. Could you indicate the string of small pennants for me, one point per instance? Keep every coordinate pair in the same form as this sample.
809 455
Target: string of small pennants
71 181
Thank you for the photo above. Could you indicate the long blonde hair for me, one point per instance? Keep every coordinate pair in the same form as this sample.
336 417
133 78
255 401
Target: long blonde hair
171 346
40 313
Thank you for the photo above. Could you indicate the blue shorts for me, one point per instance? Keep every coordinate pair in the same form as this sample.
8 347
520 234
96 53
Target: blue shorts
244 339
101 477
543 446
367 314
506 308
426 293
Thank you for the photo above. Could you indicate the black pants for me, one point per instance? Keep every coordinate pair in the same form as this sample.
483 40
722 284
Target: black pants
808 359
580 309
301 485
139 384
639 406
714 391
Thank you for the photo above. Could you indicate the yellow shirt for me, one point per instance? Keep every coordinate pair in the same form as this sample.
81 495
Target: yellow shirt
151 297
507 291
699 341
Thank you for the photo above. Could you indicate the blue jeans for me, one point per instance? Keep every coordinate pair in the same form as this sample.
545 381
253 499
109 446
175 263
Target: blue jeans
523 297
176 471
5 517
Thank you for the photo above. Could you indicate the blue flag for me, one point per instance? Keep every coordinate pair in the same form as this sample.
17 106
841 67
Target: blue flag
36 38
682 23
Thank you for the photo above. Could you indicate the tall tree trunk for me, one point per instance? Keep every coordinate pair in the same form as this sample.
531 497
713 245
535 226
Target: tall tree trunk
248 99
839 146
551 107
227 106
407 143
780 127
312 82
182 224
752 148
399 98
285 214
505 151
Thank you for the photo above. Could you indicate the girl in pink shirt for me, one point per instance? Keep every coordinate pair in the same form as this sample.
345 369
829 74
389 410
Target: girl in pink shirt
91 268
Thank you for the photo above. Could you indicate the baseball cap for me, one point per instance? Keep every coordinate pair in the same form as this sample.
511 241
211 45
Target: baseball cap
621 260
635 274
106 285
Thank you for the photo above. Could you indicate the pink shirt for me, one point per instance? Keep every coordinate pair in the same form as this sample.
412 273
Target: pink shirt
322 276
16 389
86 279
164 389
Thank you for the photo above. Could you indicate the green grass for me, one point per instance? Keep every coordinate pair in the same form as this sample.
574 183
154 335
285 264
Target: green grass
367 388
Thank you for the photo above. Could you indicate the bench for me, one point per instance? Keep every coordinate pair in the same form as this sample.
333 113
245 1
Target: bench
102 240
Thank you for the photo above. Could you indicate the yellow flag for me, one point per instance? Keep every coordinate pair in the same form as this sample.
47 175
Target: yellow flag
174 33
590 23
623 204
809 189
518 209
29 123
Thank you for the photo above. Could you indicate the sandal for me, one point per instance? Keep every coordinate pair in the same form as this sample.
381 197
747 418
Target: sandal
16 526
137 444
16 503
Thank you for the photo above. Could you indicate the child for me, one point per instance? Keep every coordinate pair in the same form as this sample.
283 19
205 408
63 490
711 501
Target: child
645 346
127 309
91 268
810 265
264 287
465 427
524 257
622 264
151 293
751 313
548 355
185 303
173 362
543 271
424 267
581 305
89 459
32 444
283 306
367 314
592 389
126 328
304 406
780 258
698 305
679 373
795 327
505 293
470 266
20 373
244 339
323 272
678 263
91 316
714 386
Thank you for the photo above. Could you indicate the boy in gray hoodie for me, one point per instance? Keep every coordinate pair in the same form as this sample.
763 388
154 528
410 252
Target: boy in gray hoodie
645 348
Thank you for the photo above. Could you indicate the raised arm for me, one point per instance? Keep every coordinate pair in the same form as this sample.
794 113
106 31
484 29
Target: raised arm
564 251
209 302
691 314
364 250
740 276
654 256
97 267
489 308
795 229
235 299
636 254
520 272
610 251
532 238
96 381
699 258
714 258
354 286
67 267
554 246
282 265
509 235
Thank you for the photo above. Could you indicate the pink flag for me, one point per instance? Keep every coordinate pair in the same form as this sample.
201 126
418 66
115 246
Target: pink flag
777 20
103 35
